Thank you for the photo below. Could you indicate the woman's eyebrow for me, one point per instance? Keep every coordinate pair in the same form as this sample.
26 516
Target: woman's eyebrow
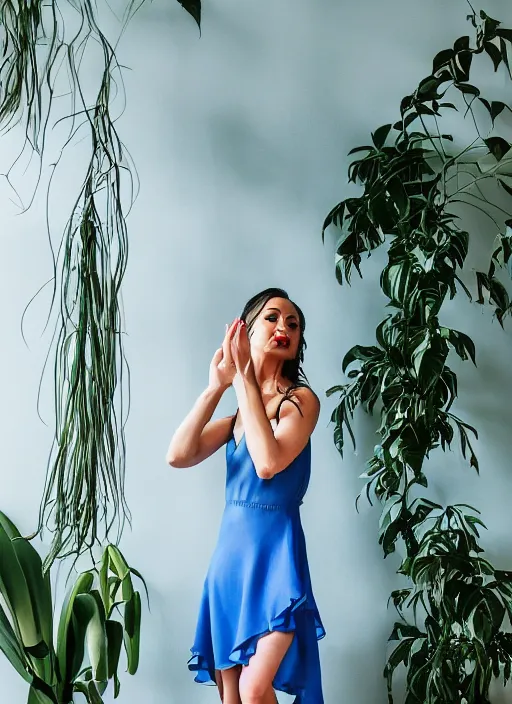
292 315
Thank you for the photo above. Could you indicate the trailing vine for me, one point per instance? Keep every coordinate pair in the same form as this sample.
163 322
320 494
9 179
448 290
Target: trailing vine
41 43
450 634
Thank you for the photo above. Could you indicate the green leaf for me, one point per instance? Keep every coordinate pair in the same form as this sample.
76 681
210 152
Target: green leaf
193 7
494 108
37 696
103 579
127 588
132 620
497 146
359 353
398 281
380 135
442 59
405 630
507 671
117 686
41 598
462 343
89 612
38 586
89 690
335 217
419 350
504 33
9 527
468 89
117 562
65 639
14 589
427 89
400 653
356 150
482 625
93 693
11 647
462 62
494 53
507 188
398 194
115 641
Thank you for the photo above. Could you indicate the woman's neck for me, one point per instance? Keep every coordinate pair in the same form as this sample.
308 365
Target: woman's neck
268 373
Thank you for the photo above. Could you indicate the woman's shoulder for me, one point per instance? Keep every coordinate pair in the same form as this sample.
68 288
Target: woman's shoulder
303 393
303 397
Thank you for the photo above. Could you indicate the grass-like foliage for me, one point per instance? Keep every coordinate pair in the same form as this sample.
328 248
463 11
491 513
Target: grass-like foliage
43 45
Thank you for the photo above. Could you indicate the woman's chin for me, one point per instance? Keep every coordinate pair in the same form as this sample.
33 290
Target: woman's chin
281 352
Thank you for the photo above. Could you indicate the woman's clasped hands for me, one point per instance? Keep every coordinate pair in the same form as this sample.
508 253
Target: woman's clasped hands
234 357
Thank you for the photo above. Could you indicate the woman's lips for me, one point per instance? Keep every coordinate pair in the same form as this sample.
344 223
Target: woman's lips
282 340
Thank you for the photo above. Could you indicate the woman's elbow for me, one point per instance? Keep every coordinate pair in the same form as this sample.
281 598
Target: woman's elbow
175 460
265 472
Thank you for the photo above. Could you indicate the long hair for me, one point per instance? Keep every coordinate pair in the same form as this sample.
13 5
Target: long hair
292 368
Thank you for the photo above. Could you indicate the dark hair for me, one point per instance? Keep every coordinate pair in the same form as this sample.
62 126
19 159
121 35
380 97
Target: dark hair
292 368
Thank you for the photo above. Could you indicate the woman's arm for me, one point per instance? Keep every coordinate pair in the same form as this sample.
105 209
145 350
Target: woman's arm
271 452
198 437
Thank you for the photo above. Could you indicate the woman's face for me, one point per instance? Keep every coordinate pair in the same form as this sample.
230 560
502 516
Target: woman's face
278 321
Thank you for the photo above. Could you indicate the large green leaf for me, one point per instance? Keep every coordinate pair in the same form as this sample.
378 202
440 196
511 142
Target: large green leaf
90 615
41 599
14 589
132 619
11 647
65 638
115 641
9 526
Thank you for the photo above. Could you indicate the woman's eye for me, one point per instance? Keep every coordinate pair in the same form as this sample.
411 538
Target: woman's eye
273 318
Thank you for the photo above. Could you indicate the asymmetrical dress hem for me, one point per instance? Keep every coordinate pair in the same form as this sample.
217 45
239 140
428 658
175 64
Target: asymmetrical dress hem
258 579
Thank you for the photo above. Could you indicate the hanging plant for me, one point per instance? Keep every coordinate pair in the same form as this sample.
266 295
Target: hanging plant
85 655
83 500
413 175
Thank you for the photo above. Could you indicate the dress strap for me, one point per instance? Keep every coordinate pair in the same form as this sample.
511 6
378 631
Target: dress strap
287 398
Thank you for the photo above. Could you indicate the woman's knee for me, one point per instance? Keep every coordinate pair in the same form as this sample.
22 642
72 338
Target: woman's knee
253 691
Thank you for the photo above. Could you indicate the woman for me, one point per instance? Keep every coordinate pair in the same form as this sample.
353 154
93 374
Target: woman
258 623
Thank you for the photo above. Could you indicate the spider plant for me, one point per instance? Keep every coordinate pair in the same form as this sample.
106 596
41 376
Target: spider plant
453 609
44 44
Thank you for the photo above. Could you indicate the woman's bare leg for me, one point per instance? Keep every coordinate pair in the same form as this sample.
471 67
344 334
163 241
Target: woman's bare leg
256 679
218 679
227 682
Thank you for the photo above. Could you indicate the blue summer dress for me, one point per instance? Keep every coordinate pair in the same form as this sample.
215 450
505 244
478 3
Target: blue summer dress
258 579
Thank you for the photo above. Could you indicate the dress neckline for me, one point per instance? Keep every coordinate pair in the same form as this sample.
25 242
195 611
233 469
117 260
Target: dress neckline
242 436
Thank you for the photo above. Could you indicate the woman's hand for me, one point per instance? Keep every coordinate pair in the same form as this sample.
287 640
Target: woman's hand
222 366
241 351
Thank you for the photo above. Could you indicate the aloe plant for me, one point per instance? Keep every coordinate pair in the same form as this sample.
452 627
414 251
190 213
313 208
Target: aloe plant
455 606
86 652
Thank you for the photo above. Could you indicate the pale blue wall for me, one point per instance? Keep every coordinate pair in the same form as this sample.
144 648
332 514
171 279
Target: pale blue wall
240 140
